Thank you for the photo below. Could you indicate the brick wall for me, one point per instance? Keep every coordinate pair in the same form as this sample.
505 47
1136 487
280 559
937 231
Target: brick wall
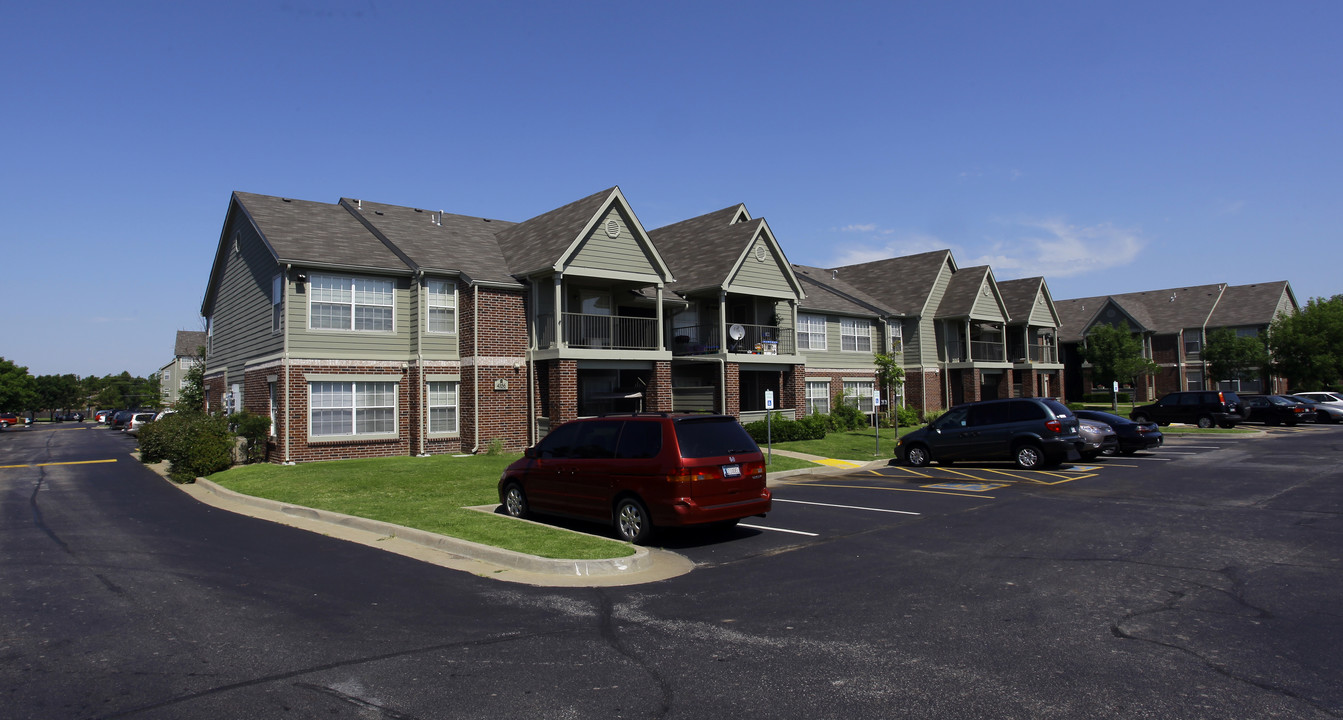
793 389
658 394
732 392
295 421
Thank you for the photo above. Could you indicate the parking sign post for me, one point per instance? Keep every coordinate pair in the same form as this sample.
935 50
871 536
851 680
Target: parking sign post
769 426
876 418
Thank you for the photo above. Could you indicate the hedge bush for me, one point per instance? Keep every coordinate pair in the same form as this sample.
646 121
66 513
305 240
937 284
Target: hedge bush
781 429
1105 397
907 416
192 443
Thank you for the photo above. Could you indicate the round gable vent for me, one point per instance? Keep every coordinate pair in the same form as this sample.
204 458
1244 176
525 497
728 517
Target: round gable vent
612 229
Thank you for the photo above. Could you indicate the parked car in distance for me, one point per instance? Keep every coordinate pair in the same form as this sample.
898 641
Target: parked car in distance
9 419
1320 397
1204 408
120 418
137 421
1274 410
1320 413
101 416
1097 439
641 471
1033 432
1133 436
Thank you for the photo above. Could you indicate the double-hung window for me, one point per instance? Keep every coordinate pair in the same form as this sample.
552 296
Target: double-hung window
855 335
859 394
818 397
342 302
811 332
352 408
443 407
276 302
442 316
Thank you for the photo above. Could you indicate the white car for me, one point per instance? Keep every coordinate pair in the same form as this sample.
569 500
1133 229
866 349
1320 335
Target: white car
137 421
1322 398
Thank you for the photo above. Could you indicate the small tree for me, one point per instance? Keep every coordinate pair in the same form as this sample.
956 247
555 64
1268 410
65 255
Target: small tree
1307 347
192 396
1233 357
1115 355
889 375
17 391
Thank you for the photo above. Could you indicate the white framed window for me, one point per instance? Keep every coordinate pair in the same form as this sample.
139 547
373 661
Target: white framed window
859 393
351 408
811 332
273 406
855 335
818 397
342 302
443 407
897 337
442 315
276 302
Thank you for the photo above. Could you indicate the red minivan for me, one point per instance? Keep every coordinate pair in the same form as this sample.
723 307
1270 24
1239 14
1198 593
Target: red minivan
640 471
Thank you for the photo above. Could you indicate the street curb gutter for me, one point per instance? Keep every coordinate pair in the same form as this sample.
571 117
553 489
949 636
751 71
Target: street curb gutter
641 560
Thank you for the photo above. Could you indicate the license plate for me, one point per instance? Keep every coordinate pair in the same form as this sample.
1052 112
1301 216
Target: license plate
731 471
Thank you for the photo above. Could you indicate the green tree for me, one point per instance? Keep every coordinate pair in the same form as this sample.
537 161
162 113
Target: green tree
889 375
1307 348
1234 357
1115 355
17 392
191 398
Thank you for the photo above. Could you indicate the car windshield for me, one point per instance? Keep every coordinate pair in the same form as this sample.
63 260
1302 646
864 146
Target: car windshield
712 437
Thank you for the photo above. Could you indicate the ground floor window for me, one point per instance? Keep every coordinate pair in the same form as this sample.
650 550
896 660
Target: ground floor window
859 393
1194 380
818 397
352 408
443 407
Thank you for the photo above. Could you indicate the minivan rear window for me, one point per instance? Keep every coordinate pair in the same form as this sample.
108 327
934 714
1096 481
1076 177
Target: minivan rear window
1056 407
712 437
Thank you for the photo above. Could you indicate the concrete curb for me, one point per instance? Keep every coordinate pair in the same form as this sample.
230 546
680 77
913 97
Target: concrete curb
640 561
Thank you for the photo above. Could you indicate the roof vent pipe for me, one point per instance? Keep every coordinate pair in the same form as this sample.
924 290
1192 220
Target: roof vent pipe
834 274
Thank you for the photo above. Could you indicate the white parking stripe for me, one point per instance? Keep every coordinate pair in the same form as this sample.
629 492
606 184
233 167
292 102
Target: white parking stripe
847 507
762 527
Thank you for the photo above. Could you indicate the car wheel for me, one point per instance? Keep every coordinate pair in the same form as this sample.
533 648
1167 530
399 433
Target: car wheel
1205 421
515 501
1028 456
917 455
1141 419
632 523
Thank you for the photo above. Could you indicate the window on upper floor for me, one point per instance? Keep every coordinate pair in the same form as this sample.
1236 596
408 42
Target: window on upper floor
855 335
811 332
343 302
1193 342
897 337
442 316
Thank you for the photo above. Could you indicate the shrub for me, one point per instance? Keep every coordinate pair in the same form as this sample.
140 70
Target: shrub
496 447
158 437
932 415
781 429
1105 397
255 429
1075 406
192 443
848 417
908 416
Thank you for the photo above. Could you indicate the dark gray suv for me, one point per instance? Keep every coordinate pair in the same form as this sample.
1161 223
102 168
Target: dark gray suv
1033 432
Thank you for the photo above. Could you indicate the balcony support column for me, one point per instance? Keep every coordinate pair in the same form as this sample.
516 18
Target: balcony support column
661 338
559 311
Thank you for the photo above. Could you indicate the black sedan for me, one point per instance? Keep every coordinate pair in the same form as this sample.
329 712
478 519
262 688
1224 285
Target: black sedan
1133 436
1275 410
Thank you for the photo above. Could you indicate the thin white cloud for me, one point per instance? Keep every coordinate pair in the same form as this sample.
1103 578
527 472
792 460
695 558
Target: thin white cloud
1053 247
1050 247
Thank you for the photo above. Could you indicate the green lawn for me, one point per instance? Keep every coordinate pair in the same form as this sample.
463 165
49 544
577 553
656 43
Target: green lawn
856 445
424 493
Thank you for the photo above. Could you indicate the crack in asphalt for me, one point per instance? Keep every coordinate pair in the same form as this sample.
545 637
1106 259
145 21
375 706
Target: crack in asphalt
349 662
609 633
361 703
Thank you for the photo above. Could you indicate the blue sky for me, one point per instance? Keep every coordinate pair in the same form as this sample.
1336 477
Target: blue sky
1108 146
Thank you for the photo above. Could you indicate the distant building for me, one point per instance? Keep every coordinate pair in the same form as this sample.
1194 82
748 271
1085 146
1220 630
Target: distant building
1174 325
186 353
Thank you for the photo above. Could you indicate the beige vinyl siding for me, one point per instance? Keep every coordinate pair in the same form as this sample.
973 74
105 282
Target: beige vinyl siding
350 344
436 346
623 253
1040 312
913 338
986 304
833 357
767 275
1285 306
242 309
927 326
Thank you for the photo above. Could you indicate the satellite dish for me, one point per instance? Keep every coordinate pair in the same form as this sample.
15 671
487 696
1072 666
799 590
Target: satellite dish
736 332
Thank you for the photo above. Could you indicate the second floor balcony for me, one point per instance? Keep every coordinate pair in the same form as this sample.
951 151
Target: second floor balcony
704 339
976 351
600 332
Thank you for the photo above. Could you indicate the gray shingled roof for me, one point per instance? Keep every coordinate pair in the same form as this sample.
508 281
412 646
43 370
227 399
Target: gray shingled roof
1019 296
434 240
836 295
702 251
1161 311
1246 305
962 292
540 242
188 342
902 284
300 231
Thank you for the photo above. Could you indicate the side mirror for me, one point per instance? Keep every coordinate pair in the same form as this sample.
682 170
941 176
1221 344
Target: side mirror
530 452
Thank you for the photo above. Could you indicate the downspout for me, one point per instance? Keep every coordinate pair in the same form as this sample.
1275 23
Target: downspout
285 362
475 361
531 305
421 320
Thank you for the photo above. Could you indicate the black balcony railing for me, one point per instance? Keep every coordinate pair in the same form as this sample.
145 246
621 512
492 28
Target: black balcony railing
755 340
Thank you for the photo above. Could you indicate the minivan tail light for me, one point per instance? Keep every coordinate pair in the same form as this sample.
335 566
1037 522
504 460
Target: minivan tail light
1054 426
693 474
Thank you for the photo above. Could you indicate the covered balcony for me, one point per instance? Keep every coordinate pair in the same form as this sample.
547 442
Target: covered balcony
743 339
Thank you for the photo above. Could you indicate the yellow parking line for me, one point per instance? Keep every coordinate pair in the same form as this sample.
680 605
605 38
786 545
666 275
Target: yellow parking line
904 469
72 462
837 463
